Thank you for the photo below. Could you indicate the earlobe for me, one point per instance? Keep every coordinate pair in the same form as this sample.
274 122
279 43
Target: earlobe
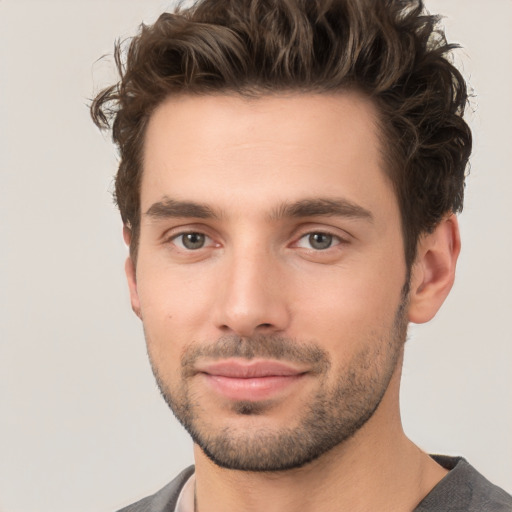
433 272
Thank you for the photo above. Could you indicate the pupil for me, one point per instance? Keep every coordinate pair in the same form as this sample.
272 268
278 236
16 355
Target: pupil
193 240
320 240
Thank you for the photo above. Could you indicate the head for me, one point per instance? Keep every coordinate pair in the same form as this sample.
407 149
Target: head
391 51
288 171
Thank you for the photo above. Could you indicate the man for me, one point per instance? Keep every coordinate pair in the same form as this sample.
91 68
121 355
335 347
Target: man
289 178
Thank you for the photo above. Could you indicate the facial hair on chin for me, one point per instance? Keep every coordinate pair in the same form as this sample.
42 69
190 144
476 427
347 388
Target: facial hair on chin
331 415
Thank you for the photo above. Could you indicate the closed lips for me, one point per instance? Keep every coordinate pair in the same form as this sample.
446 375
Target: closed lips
251 370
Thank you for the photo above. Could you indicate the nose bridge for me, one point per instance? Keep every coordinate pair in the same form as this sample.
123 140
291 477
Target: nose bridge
250 297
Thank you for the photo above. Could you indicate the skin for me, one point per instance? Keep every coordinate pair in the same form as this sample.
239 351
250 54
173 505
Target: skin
257 274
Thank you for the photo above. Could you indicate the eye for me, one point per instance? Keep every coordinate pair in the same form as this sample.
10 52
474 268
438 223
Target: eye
318 241
191 241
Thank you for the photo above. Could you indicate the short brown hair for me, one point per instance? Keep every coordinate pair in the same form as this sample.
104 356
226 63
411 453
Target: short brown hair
391 50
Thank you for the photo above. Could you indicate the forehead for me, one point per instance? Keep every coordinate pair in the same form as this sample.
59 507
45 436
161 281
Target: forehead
278 147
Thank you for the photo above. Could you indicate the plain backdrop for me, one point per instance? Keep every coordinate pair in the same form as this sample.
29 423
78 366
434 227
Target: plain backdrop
82 425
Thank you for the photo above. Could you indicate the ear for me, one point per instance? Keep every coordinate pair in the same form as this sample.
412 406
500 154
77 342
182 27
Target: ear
433 271
131 275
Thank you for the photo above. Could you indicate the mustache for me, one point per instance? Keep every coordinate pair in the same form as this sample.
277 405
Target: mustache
260 346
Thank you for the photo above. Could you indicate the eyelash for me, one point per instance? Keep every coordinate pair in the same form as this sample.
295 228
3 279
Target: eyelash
333 240
181 236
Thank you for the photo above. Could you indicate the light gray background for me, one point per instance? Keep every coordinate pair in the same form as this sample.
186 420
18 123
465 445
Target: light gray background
82 426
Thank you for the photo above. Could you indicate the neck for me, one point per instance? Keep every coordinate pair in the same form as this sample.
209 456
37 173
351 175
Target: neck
377 469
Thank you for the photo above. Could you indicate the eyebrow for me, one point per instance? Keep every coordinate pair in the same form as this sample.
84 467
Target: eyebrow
169 208
326 207
322 207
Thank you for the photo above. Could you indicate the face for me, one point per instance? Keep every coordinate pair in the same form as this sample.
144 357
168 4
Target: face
270 272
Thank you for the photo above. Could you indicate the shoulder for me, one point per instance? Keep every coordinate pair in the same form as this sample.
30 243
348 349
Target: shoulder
464 488
165 499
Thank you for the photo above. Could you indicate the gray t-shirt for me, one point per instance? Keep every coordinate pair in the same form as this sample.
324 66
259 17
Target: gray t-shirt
463 489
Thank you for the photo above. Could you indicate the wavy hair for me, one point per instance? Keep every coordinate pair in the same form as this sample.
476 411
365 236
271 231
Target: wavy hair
391 50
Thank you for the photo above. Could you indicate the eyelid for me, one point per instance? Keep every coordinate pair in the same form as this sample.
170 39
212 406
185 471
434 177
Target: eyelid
337 240
340 236
183 229
207 241
174 233
305 230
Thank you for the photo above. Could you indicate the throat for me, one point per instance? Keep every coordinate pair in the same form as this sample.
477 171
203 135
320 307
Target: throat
338 481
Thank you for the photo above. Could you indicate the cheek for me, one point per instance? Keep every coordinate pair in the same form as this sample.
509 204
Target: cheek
174 304
347 306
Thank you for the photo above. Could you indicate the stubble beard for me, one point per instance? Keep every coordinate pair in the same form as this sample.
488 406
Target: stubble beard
332 416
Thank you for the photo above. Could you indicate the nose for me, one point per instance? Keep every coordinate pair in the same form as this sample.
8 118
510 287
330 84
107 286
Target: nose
252 296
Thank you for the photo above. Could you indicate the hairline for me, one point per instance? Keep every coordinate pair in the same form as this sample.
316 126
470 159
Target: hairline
254 93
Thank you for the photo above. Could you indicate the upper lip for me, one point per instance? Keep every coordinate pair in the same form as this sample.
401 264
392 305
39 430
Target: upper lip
243 369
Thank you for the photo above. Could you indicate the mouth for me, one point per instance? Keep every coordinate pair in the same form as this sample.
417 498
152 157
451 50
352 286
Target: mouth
238 379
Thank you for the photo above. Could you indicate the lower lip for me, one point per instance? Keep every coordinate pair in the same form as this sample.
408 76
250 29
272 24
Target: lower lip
252 389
